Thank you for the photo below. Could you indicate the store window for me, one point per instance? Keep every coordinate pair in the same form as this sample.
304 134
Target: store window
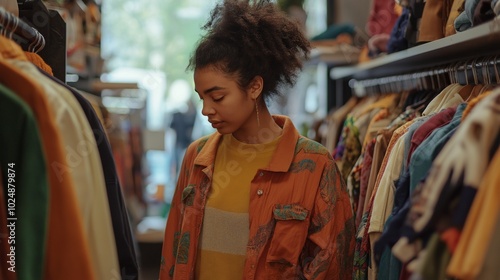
149 43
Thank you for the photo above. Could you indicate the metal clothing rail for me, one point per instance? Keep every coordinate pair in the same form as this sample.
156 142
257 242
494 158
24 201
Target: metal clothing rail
482 70
11 25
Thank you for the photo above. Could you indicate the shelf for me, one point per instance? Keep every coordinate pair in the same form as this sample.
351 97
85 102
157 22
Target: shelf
335 55
98 85
482 40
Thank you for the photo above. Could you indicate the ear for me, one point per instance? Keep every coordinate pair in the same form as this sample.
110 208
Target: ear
255 87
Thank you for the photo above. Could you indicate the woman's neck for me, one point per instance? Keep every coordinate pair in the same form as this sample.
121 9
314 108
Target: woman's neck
258 132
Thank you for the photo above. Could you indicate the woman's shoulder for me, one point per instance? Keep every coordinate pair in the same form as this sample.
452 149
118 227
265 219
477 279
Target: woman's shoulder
309 146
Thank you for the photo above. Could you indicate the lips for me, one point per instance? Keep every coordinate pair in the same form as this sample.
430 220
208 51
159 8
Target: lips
216 124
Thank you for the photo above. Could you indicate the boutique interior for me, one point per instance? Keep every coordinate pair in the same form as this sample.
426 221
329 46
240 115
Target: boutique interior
402 93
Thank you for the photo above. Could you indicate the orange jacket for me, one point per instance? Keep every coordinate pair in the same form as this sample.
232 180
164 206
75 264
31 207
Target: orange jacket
301 222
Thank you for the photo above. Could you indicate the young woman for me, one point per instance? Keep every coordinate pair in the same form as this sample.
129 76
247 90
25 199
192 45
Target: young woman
254 200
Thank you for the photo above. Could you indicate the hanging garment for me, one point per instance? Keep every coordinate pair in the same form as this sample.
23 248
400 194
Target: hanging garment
456 9
380 120
432 260
65 229
83 160
7 271
475 13
25 160
448 97
490 268
364 268
416 9
382 17
335 121
345 131
383 198
495 5
431 123
381 144
382 141
389 267
398 41
471 250
434 19
357 128
365 178
402 194
458 201
124 240
428 151
38 62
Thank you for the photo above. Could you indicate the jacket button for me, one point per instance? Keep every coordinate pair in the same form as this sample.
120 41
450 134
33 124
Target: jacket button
261 174
260 192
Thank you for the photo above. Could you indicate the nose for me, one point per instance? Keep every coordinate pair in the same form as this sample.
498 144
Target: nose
207 109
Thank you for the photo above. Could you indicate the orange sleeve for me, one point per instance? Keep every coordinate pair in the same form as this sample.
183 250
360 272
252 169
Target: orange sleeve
330 246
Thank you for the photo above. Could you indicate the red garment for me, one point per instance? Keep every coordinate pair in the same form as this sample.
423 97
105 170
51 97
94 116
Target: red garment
451 236
382 17
365 176
438 120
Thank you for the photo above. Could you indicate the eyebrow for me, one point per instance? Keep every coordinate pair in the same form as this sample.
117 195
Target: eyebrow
211 89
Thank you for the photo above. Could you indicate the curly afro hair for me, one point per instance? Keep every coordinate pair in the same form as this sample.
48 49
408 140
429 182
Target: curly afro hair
252 39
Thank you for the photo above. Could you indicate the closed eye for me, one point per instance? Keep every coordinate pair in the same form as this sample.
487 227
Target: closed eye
218 99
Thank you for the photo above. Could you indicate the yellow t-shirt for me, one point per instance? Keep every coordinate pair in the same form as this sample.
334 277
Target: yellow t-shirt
224 235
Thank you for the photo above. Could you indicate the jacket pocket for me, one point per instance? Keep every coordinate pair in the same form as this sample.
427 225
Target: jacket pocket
188 195
290 233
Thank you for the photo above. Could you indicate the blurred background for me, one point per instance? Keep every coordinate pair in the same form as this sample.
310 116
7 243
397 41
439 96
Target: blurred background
147 44
129 57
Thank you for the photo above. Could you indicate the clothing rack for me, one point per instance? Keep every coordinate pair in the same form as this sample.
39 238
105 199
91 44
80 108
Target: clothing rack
482 70
52 26
16 29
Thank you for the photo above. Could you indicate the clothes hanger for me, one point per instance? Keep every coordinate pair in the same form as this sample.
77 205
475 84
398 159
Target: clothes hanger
435 74
422 81
474 71
13 25
5 16
451 74
466 73
457 72
477 86
487 85
38 44
497 76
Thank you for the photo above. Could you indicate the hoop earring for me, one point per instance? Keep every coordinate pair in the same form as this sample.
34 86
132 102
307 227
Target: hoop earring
257 111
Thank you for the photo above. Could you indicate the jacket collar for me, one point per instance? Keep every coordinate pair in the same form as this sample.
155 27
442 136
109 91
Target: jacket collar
282 158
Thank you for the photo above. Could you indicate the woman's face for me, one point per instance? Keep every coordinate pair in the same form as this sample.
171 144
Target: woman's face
229 109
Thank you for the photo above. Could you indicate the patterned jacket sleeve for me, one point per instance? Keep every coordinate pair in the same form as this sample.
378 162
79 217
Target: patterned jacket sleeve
329 249
174 221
